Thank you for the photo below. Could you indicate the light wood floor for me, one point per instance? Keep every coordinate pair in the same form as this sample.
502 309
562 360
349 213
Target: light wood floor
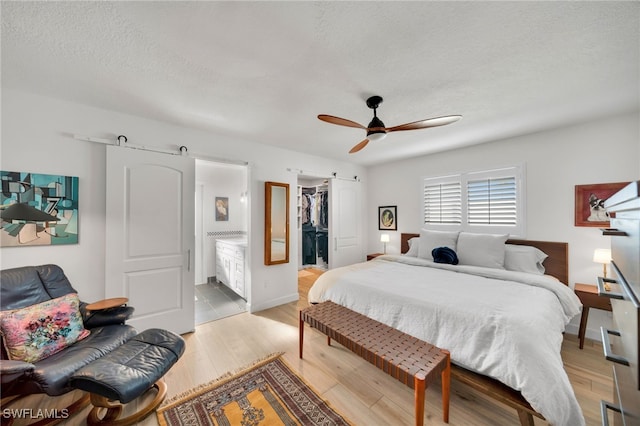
360 391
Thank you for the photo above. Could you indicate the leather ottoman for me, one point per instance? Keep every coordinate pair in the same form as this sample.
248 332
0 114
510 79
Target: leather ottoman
126 373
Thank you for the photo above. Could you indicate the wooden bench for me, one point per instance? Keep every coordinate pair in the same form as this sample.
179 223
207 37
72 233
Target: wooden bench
410 360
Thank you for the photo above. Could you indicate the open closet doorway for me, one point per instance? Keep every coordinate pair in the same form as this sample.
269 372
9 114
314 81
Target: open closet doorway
313 222
222 217
328 221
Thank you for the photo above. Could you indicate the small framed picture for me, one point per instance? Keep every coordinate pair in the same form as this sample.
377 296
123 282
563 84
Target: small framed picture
589 210
222 209
388 218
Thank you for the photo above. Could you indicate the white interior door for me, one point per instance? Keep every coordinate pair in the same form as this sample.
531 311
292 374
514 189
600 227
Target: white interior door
150 236
344 223
200 263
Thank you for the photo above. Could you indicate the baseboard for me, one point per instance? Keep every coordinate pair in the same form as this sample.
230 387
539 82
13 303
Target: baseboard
571 329
590 333
274 302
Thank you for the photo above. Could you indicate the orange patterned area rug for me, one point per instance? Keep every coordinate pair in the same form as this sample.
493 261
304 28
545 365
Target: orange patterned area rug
267 393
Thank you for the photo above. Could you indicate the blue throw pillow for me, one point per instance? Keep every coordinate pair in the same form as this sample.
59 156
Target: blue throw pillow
444 255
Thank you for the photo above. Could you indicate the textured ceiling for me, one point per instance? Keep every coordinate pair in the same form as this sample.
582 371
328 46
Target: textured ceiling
263 71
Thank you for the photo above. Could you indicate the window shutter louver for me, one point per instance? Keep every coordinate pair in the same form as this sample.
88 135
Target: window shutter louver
443 203
492 201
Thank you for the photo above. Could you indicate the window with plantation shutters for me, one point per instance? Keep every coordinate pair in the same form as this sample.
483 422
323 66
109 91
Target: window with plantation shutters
489 201
492 201
443 202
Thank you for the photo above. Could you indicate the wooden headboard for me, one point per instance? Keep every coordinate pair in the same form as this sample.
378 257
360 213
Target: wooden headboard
557 264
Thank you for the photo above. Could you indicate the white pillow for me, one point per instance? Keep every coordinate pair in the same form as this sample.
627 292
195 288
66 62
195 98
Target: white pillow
414 243
432 239
485 250
524 259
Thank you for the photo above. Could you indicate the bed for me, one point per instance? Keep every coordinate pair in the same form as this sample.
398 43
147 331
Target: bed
505 324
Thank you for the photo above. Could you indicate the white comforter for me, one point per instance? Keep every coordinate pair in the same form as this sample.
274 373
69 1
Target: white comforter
506 325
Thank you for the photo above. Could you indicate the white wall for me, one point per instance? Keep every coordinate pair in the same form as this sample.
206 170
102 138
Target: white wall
600 151
37 137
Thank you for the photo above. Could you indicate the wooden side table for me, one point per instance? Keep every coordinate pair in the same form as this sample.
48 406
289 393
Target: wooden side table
107 303
588 295
373 256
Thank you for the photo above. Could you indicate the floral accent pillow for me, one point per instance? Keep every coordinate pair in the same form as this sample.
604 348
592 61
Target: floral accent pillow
38 331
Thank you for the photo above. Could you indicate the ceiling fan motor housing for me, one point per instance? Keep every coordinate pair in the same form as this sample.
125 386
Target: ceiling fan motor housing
376 127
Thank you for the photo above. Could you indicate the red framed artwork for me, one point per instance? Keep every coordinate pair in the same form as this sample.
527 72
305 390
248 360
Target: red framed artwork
590 200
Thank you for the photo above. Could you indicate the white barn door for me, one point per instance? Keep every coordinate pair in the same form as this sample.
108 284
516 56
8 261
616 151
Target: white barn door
344 223
150 236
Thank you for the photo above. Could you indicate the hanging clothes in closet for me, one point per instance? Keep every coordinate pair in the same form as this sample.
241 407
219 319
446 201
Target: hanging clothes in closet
315 225
322 244
322 209
308 244
308 207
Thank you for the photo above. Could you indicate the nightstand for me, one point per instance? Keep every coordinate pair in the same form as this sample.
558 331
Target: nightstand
588 295
373 256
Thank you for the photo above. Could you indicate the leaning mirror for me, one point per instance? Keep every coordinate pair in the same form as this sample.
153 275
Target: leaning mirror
276 224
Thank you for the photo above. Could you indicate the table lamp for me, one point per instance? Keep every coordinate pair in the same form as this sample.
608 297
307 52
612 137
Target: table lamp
384 238
602 256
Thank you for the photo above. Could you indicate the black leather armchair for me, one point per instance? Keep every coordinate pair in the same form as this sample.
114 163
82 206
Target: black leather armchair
26 286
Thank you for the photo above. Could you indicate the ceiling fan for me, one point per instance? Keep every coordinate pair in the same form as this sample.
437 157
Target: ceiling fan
376 129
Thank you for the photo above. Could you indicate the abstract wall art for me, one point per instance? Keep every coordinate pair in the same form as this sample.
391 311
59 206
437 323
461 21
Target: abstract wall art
38 209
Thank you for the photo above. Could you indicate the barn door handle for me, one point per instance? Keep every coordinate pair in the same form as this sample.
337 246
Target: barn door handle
189 260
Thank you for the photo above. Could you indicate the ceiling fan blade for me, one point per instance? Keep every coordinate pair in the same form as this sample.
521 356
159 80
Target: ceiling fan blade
340 121
423 124
359 146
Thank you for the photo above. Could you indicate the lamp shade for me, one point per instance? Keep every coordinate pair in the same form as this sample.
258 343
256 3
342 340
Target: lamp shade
602 256
23 211
384 238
